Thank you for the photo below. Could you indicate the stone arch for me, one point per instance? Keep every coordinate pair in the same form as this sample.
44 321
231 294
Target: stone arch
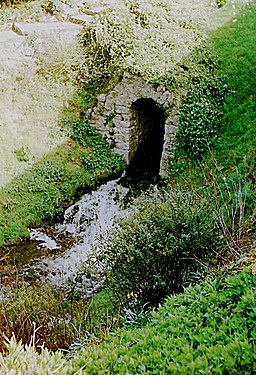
146 137
117 115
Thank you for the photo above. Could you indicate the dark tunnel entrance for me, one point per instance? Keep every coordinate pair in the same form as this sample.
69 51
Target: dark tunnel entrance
147 126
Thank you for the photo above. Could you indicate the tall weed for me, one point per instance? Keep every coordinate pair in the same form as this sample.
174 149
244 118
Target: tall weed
60 318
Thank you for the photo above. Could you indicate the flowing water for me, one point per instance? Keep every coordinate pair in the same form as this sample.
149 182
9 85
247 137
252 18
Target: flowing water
57 253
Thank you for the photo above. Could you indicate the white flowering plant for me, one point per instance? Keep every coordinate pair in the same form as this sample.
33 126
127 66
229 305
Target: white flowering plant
153 39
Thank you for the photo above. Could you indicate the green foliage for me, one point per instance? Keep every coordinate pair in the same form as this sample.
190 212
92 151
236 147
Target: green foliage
100 155
200 117
83 99
22 154
39 193
25 360
234 197
135 316
60 318
36 195
233 44
152 252
228 171
99 67
209 329
109 119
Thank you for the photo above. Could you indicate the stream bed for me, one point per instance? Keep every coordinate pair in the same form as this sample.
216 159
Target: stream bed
56 253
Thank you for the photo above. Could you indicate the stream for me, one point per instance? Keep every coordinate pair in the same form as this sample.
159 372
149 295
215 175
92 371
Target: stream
57 253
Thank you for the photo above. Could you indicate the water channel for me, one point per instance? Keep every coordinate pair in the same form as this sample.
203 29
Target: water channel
56 253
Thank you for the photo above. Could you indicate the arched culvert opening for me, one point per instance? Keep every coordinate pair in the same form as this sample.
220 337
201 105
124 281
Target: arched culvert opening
147 125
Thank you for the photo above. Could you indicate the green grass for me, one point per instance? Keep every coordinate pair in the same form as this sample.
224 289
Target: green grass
228 171
220 112
42 192
234 45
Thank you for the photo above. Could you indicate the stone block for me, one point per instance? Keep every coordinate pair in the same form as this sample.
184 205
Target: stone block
124 153
122 145
119 123
100 121
123 138
125 134
169 97
101 98
109 105
122 109
166 98
79 19
125 131
93 11
175 112
175 121
127 119
161 89
118 117
18 30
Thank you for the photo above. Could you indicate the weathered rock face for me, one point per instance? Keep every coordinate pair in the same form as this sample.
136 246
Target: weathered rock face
140 123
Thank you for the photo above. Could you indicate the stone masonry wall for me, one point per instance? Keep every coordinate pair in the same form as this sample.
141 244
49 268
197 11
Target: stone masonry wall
112 115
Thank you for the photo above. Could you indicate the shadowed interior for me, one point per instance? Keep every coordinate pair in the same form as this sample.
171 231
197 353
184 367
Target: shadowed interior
146 138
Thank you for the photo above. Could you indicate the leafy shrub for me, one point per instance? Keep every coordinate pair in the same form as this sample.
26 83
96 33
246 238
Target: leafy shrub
209 329
152 252
200 117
